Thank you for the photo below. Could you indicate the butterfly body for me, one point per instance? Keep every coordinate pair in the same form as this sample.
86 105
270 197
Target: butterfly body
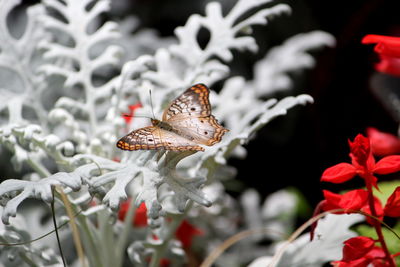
185 124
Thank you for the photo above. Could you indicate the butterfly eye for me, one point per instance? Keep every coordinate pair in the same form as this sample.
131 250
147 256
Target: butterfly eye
202 121
206 133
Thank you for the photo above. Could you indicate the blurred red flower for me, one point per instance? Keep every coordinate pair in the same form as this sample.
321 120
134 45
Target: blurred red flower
383 144
184 233
128 116
388 49
140 218
392 207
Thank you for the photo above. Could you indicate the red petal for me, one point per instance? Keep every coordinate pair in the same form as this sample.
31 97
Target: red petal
389 164
186 232
383 144
140 219
354 200
123 209
339 173
386 45
128 116
360 150
378 209
362 262
165 262
388 49
331 201
357 247
392 207
376 256
389 65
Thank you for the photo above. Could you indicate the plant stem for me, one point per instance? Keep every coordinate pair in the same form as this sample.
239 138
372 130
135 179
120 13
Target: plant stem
376 224
74 227
56 228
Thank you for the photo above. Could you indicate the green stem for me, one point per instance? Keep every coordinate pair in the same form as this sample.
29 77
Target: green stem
38 167
376 224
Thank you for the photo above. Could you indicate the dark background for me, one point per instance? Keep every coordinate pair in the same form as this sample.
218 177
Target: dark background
295 149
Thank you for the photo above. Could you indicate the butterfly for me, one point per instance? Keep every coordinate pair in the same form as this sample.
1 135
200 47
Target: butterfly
186 124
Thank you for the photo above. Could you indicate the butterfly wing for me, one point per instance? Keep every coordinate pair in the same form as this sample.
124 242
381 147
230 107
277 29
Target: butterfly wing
202 130
193 102
190 116
151 138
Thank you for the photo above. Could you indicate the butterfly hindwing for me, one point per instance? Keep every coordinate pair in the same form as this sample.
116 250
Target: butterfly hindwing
150 138
203 130
143 138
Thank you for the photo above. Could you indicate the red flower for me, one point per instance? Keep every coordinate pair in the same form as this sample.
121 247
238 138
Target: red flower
360 152
388 49
140 218
352 200
392 207
378 210
165 262
372 255
355 200
128 116
186 232
357 247
363 164
383 144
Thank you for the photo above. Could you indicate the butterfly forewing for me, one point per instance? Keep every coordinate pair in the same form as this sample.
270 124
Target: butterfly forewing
193 102
187 122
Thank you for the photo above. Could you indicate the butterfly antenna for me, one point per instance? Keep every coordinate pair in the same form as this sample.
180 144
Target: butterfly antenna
135 116
151 104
